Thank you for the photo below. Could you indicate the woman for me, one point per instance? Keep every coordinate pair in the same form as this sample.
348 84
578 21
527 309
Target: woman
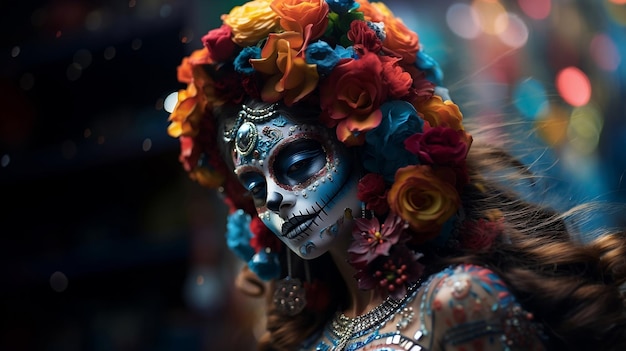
357 193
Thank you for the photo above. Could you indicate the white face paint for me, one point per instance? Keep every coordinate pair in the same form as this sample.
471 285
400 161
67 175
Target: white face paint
302 181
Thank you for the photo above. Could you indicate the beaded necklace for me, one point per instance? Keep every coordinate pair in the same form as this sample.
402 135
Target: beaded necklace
344 329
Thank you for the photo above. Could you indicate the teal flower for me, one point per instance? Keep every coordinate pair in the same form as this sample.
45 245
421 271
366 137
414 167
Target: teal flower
242 61
265 264
322 55
430 66
342 6
384 150
238 234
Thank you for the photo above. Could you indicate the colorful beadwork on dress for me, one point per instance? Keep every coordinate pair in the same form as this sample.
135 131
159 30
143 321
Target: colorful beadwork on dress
461 308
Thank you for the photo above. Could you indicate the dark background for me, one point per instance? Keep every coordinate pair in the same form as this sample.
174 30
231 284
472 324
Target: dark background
105 243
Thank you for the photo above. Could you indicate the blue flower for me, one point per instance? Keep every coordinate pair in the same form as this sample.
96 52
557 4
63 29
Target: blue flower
242 61
238 234
430 66
322 55
345 52
342 6
384 150
265 265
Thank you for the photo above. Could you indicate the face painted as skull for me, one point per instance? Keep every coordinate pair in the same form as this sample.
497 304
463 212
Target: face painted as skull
302 182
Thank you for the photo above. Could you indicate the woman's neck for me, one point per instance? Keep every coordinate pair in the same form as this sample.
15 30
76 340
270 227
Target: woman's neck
359 301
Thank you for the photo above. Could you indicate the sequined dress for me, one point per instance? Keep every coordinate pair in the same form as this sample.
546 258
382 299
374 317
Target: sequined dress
464 307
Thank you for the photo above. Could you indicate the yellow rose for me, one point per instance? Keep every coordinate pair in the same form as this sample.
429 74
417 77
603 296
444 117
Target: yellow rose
437 112
424 199
251 22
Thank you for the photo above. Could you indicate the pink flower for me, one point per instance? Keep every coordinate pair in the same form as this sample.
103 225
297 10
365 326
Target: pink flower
372 240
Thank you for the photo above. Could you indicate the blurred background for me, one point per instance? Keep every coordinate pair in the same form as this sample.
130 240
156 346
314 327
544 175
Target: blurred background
107 245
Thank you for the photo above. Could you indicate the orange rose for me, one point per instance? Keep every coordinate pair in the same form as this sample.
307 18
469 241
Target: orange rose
185 71
424 199
290 77
400 39
206 177
308 17
192 101
437 112
187 113
370 12
251 22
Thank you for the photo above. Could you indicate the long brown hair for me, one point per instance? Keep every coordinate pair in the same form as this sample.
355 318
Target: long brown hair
573 287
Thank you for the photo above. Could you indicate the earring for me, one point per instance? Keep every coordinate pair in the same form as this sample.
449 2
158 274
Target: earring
290 296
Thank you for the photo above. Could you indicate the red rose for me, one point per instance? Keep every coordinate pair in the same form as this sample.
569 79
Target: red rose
399 82
351 96
219 43
189 152
373 191
439 145
364 38
263 237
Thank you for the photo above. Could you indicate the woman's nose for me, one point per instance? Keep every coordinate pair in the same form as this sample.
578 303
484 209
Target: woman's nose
274 200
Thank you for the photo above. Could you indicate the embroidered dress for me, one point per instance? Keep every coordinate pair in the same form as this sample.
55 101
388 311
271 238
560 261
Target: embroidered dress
464 307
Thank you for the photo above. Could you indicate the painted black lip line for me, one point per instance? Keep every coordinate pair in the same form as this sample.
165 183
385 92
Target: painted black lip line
295 221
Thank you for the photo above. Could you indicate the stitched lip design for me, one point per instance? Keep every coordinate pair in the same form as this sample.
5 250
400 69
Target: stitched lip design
296 225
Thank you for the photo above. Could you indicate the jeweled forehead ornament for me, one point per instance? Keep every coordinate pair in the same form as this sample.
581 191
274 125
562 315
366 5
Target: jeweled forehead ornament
244 130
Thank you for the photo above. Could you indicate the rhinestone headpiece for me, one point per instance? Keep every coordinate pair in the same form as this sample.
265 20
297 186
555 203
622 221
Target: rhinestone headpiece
252 115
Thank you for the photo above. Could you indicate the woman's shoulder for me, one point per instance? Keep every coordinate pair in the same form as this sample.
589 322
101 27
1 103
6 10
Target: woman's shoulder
469 305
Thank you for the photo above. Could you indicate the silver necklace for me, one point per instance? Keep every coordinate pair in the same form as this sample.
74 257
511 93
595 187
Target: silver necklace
345 328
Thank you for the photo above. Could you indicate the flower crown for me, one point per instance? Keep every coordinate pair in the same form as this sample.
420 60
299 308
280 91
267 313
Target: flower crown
375 86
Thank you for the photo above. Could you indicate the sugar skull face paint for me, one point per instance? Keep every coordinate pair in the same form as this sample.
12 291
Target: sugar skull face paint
302 182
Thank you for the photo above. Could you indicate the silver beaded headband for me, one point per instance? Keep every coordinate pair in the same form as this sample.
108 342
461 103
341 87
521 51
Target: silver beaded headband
244 130
248 114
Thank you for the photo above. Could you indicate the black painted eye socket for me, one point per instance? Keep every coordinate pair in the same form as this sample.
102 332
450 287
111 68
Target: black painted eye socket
254 182
299 161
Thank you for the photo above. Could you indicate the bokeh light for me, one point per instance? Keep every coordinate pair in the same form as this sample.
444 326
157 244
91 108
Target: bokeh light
170 102
58 281
529 96
604 52
536 9
616 10
552 129
463 21
5 160
511 30
573 86
585 128
488 13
